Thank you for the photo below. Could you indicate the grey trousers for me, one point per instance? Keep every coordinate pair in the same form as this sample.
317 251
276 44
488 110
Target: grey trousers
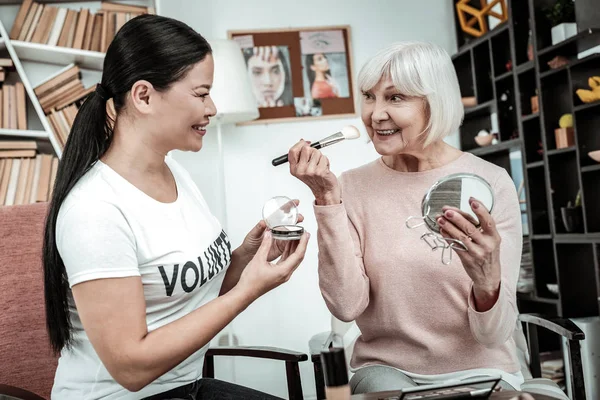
212 389
378 378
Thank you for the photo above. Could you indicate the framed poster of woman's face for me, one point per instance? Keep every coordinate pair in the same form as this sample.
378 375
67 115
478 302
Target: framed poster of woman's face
299 74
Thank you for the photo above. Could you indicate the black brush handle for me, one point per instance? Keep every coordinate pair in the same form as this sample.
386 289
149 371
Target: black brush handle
284 158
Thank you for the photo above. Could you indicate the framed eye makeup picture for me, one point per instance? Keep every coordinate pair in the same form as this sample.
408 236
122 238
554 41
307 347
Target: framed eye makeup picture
299 74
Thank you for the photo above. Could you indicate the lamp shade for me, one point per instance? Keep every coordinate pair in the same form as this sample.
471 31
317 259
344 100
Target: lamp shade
231 89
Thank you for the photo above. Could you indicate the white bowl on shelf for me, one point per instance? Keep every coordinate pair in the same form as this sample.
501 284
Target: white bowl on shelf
595 155
484 140
552 288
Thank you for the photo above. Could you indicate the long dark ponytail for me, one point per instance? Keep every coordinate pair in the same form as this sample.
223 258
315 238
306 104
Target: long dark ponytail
157 49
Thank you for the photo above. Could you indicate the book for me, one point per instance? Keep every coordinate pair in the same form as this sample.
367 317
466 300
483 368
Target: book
4 179
6 63
20 19
21 105
56 29
18 145
28 21
17 153
53 82
13 182
44 179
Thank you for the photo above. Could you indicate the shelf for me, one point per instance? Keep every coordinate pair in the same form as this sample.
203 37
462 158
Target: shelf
586 106
541 237
572 64
466 47
535 164
529 117
503 76
502 146
591 168
58 55
480 109
577 238
581 42
24 133
525 67
530 297
561 151
553 71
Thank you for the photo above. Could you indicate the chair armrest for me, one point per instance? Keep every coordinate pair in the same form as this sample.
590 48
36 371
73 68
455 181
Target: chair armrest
561 326
272 353
18 393
318 342
291 358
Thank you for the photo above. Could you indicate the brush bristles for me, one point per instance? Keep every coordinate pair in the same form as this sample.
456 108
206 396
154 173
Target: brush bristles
350 132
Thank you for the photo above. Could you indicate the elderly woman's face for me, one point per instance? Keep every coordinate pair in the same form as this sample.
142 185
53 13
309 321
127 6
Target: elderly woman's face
393 120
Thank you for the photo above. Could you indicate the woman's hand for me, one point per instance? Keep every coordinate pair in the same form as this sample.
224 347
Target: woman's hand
260 276
312 167
254 238
482 260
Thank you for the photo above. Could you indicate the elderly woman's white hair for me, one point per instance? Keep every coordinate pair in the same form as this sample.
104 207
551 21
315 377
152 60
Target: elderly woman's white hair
424 70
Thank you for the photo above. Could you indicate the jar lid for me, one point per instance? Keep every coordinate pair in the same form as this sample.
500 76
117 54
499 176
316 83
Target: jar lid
280 211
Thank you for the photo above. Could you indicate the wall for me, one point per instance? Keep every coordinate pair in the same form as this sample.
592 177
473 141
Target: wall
290 315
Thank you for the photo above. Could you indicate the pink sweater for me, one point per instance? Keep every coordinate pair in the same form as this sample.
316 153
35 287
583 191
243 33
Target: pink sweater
415 313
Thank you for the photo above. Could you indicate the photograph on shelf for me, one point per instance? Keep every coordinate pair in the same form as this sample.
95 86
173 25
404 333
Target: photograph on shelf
299 73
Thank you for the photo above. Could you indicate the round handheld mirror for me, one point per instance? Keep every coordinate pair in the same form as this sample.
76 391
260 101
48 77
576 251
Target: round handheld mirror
453 191
281 216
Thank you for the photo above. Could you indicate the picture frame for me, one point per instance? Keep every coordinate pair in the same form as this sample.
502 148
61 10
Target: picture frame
299 74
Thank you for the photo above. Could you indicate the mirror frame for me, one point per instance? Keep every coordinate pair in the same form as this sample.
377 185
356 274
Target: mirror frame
429 221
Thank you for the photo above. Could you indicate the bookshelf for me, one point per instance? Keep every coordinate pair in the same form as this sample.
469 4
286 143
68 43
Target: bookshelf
551 176
35 63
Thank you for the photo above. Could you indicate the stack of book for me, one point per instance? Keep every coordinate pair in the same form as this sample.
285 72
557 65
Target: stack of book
77 29
554 369
59 96
6 64
525 282
25 176
13 106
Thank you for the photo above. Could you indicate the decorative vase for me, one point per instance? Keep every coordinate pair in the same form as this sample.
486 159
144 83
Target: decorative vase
572 218
563 31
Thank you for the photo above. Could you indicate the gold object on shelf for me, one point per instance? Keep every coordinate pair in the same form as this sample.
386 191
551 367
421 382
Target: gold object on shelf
589 96
479 15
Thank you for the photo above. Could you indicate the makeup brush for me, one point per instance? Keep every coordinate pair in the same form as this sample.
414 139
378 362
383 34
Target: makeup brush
348 132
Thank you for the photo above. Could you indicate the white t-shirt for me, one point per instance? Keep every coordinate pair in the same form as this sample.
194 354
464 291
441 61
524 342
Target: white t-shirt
107 228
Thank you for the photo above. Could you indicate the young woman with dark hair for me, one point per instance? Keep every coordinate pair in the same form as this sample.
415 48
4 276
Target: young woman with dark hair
321 83
139 275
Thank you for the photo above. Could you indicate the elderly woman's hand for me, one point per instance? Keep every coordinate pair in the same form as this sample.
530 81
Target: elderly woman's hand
312 167
482 260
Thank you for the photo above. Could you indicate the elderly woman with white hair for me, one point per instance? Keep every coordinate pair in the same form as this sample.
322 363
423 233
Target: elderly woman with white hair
420 322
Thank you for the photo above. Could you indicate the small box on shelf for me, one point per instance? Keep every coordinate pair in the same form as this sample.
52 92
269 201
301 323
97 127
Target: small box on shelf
535 104
565 137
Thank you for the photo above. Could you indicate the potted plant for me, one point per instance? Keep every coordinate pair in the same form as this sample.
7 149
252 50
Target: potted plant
562 19
572 217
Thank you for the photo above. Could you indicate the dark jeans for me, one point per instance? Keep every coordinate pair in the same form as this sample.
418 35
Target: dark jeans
211 389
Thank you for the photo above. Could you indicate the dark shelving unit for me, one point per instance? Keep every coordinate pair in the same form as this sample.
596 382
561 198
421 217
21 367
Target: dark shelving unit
497 70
